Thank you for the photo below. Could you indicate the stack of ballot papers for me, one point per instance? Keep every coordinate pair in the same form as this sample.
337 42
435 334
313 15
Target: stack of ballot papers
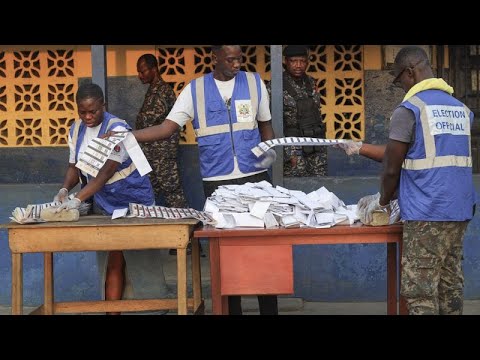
162 212
260 205
31 214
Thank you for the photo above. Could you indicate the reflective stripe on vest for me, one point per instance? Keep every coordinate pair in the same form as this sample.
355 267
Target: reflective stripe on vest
431 161
76 130
204 130
119 175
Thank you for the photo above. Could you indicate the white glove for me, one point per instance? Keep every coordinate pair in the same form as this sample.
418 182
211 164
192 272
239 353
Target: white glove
364 201
350 147
70 204
367 205
395 215
62 195
269 158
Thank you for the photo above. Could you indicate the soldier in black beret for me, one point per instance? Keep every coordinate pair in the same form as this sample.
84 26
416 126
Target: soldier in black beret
295 50
301 116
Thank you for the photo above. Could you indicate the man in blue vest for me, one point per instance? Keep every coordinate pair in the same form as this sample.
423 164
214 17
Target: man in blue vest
117 184
428 160
230 113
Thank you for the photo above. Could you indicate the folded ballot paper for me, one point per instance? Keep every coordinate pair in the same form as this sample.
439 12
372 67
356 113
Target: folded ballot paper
260 205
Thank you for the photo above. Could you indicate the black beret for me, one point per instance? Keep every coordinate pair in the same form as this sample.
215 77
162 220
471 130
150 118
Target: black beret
295 50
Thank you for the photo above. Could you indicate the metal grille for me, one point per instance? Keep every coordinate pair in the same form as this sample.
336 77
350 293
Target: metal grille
37 88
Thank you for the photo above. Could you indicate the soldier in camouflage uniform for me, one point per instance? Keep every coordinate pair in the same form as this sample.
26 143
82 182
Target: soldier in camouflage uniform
161 154
299 88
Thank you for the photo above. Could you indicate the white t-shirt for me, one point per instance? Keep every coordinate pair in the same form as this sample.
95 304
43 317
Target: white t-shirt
92 133
182 112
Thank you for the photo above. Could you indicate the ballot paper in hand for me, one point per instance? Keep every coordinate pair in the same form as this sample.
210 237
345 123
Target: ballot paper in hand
263 147
98 151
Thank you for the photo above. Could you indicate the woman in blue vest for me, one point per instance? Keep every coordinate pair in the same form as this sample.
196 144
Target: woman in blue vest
117 184
428 158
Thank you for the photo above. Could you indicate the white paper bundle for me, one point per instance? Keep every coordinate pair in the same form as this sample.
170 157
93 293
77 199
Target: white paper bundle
263 147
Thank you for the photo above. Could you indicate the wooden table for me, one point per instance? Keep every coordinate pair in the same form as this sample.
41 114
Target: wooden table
260 261
93 233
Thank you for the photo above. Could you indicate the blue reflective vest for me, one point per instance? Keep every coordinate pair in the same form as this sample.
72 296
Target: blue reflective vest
126 185
224 130
436 182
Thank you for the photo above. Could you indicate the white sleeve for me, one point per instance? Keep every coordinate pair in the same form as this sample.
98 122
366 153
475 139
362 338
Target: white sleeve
264 108
182 111
119 153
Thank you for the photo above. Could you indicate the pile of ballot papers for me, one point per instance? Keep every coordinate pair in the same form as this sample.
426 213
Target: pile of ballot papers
260 205
31 214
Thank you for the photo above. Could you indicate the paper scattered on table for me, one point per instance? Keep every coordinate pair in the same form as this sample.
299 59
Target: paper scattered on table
263 147
262 205
98 150
162 212
97 153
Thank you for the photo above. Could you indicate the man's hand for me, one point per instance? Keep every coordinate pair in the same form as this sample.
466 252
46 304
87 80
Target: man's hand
62 195
350 147
70 204
367 205
269 158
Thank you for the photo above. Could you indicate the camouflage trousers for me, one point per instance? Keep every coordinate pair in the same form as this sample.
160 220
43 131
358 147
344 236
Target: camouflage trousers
314 164
432 273
165 177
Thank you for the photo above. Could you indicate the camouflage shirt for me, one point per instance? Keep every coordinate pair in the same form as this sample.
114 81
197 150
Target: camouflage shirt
290 105
158 102
296 162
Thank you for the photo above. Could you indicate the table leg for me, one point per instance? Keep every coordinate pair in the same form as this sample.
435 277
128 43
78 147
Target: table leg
17 284
182 281
403 309
48 283
196 275
218 303
392 278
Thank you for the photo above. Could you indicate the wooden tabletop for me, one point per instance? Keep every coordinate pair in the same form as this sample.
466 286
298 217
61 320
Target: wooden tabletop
357 228
99 220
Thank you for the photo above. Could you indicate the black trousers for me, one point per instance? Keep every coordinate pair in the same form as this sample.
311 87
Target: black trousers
268 304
